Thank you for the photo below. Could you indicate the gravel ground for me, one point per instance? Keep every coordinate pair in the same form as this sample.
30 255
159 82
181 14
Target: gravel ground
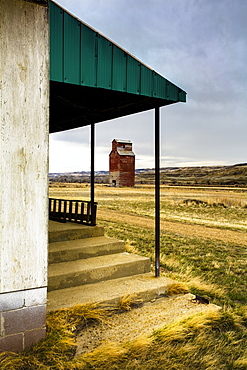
127 326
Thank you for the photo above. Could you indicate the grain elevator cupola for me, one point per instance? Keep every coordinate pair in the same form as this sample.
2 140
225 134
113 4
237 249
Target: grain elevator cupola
122 164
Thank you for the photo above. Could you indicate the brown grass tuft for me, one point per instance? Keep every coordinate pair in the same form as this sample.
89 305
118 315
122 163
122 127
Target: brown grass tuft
209 340
177 288
128 301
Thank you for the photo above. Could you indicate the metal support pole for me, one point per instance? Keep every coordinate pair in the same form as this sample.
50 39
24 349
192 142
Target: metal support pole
157 192
92 168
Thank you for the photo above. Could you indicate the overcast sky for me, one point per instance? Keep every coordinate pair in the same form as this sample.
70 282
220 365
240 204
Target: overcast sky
201 46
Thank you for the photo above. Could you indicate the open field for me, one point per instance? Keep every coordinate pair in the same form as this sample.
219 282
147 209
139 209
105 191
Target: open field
220 207
203 232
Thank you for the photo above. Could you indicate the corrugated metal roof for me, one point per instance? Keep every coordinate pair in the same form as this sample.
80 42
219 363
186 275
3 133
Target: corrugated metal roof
122 141
125 152
83 58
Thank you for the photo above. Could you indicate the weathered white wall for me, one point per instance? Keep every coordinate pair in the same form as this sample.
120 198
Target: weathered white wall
24 104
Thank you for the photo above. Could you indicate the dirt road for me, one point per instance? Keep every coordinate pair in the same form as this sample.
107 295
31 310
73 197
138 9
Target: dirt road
180 228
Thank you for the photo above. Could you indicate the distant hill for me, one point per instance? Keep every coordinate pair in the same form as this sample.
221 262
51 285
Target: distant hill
235 175
101 177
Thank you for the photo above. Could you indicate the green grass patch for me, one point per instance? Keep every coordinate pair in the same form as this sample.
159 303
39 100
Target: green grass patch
215 268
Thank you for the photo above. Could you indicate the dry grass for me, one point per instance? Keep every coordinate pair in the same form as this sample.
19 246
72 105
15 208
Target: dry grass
130 248
57 350
128 301
223 201
210 340
223 208
176 288
227 201
201 287
213 340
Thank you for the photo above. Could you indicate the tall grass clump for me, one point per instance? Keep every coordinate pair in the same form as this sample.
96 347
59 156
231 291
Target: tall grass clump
209 340
57 350
212 340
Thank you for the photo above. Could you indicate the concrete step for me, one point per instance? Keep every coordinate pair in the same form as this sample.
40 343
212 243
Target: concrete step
144 287
84 248
71 231
88 271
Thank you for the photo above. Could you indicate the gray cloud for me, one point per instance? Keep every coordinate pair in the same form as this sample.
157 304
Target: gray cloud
199 45
78 135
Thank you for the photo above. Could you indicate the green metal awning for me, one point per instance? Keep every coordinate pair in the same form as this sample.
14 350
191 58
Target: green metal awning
93 80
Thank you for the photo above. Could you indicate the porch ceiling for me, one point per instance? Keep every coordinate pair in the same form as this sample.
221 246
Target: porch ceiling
74 106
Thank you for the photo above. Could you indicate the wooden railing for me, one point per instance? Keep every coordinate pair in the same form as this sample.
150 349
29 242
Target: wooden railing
79 211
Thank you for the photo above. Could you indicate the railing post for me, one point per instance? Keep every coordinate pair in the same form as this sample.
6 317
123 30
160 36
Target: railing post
70 209
65 210
76 211
88 219
82 211
59 208
94 214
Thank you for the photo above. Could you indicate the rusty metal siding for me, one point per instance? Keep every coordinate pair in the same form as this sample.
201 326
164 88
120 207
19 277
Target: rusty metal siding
114 162
127 171
81 56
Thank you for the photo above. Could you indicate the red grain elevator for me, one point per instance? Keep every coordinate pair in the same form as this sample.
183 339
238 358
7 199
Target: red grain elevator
122 164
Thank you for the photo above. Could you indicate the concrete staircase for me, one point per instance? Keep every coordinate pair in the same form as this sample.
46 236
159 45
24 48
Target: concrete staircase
86 266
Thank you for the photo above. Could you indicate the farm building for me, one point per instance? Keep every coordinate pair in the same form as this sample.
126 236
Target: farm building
52 79
122 164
